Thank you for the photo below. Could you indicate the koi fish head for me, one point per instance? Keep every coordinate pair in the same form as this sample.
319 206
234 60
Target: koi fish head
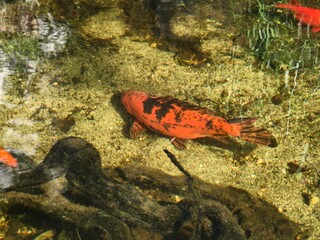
132 101
7 159
126 100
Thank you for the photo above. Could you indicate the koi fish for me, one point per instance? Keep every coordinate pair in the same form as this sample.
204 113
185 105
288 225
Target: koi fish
306 15
182 120
7 159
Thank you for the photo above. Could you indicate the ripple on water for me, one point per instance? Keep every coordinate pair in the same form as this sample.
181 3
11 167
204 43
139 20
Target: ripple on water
4 71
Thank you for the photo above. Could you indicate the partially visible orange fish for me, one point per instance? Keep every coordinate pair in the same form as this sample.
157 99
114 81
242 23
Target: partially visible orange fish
181 120
7 159
307 15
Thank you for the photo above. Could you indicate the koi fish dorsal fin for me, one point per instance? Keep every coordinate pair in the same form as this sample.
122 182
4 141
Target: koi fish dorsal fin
295 2
184 105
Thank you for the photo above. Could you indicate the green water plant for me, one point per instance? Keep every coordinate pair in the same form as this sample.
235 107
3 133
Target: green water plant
21 46
276 39
20 49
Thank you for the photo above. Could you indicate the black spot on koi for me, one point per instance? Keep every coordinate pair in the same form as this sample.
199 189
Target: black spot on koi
209 125
177 117
163 106
149 104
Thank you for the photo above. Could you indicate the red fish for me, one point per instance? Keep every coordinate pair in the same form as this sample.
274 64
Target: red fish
306 15
7 159
181 121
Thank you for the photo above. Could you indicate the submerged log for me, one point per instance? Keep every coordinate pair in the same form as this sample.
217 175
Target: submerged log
136 202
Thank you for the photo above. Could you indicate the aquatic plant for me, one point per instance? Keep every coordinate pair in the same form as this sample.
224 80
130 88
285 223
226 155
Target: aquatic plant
276 39
22 46
20 50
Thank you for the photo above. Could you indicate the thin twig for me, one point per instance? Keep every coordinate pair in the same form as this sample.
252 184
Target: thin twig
78 234
178 165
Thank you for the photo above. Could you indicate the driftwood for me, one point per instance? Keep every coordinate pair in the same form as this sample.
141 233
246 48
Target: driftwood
135 202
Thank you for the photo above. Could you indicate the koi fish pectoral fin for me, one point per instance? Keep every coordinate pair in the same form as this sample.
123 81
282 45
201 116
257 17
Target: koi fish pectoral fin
135 129
178 143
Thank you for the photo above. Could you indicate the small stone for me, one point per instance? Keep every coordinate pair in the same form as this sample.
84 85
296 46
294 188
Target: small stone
314 200
277 99
261 162
177 198
260 193
154 45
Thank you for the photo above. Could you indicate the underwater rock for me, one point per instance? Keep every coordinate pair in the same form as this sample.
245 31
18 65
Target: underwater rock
137 202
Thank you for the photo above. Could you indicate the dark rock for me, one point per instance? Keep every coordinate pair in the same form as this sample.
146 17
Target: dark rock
135 202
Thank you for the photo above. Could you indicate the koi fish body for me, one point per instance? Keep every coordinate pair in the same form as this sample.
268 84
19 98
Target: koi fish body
306 15
7 159
181 121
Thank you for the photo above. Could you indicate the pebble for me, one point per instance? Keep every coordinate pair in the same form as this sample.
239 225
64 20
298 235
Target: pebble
177 198
261 161
314 200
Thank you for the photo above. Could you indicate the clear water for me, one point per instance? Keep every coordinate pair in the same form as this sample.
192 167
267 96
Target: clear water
62 66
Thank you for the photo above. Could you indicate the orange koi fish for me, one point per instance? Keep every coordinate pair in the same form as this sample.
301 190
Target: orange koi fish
306 15
181 121
7 159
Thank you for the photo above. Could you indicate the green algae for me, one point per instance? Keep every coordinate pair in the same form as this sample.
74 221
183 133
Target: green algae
27 47
20 50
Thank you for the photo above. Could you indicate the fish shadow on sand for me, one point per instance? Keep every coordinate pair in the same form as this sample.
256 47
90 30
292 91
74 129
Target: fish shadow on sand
117 105
137 202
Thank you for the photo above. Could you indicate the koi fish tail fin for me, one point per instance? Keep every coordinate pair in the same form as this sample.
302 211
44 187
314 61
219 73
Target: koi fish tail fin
250 133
